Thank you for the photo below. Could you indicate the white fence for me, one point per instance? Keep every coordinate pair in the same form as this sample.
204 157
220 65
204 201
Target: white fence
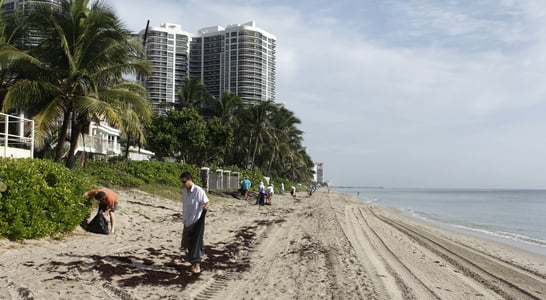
16 137
219 180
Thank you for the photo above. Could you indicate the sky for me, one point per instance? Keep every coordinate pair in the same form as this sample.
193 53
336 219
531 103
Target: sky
399 93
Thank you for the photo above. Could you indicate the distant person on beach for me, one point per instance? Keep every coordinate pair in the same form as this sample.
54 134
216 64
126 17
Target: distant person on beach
194 208
270 192
260 200
293 191
108 202
282 188
245 186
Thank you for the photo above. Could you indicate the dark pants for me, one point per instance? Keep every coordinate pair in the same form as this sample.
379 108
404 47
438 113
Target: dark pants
192 239
260 199
104 207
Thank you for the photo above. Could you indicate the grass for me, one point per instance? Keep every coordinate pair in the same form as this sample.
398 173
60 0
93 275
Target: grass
165 191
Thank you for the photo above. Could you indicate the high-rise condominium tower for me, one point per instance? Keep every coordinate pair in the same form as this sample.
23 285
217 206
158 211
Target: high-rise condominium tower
25 6
11 5
167 50
238 58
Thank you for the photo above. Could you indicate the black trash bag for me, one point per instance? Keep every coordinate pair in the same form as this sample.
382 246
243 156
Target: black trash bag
98 224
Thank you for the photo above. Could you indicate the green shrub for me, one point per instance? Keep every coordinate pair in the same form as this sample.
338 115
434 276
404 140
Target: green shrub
137 173
43 198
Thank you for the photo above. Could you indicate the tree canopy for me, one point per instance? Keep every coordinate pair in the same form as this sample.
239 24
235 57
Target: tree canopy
79 56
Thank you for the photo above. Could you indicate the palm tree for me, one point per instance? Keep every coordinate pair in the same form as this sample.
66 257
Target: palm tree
12 30
134 113
85 52
260 126
227 106
285 136
194 94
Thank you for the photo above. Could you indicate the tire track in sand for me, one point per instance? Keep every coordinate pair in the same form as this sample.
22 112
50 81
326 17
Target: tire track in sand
484 269
370 248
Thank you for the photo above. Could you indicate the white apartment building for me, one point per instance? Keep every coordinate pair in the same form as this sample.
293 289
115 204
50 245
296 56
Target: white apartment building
24 6
167 50
239 58
11 5
319 175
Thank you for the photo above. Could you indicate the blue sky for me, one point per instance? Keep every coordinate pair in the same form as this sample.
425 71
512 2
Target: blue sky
405 93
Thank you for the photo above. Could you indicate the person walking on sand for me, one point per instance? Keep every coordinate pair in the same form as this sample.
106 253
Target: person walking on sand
270 192
108 202
245 186
260 200
293 191
195 204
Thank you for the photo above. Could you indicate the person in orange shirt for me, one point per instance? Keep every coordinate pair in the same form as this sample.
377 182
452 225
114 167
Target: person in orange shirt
108 202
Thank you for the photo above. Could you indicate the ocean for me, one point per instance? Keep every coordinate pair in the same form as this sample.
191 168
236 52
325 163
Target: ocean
512 216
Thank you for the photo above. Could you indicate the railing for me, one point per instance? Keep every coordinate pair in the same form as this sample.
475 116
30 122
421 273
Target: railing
98 145
17 136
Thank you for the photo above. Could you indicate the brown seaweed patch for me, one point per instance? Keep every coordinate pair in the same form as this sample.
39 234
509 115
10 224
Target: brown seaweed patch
131 270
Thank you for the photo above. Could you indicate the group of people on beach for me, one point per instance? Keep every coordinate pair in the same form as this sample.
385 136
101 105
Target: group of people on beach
195 204
265 195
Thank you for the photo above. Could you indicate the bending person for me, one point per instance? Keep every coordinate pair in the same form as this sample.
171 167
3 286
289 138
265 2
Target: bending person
108 202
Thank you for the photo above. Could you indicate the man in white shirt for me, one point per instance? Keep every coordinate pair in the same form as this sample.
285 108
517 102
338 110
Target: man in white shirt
194 208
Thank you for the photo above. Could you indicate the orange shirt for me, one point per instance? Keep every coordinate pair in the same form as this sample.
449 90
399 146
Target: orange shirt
110 199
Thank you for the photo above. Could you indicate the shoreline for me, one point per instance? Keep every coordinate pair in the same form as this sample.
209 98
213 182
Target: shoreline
468 230
522 235
483 234
324 245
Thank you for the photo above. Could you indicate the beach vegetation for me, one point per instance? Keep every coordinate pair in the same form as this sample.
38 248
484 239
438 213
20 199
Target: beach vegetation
129 173
43 198
179 134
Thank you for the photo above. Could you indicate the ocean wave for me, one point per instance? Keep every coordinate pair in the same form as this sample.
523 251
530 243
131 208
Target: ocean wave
506 235
369 200
484 231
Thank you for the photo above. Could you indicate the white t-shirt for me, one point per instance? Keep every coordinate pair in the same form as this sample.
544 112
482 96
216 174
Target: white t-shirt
193 202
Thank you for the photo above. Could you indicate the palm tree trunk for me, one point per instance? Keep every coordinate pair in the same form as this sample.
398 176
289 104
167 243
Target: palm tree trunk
77 128
84 154
270 163
127 145
247 156
254 153
59 153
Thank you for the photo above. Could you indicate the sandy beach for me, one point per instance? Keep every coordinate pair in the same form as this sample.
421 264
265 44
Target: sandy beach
326 246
